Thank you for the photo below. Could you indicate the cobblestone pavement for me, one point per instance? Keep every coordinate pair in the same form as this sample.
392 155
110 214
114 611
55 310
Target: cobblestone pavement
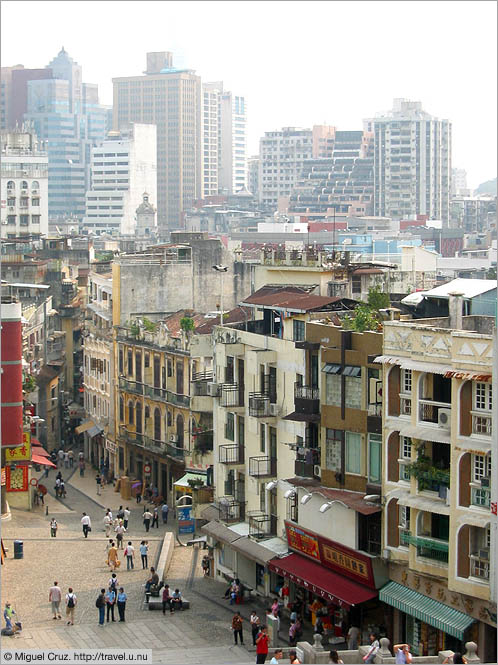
199 635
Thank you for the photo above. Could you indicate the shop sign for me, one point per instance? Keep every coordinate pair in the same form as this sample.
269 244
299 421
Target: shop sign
110 446
303 542
337 557
16 478
185 521
316 590
3 480
21 453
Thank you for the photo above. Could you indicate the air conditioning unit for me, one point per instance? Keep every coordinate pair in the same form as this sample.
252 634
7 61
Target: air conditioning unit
273 409
12 208
444 418
213 389
5 223
173 438
484 554
317 470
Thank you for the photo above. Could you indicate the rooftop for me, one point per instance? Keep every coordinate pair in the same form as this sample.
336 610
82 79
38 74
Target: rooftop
290 298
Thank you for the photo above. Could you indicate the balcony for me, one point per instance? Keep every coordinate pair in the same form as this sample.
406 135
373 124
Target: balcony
306 399
231 453
479 565
168 396
435 481
262 525
429 410
482 423
131 386
199 383
259 405
232 395
154 445
431 548
263 466
404 537
231 509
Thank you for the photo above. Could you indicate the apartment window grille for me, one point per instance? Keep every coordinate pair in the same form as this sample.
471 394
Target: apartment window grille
333 446
481 467
483 396
406 381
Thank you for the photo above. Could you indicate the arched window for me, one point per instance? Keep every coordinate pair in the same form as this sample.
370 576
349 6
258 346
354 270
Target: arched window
179 431
11 185
130 412
147 413
170 419
121 409
35 184
157 424
24 184
138 417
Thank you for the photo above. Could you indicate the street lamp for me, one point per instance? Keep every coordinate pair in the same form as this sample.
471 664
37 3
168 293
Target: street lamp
306 498
222 270
327 506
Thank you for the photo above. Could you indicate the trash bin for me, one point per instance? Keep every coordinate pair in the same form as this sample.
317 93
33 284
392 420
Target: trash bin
18 549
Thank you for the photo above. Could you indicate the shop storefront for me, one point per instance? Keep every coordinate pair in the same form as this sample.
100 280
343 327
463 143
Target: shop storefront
329 580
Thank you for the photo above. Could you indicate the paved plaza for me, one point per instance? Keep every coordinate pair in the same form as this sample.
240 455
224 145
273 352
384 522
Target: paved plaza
199 635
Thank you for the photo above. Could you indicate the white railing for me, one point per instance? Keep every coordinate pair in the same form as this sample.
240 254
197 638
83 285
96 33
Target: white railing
428 410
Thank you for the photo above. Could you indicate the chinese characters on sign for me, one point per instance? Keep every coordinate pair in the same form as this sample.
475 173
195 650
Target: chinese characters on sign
21 453
303 542
17 479
352 564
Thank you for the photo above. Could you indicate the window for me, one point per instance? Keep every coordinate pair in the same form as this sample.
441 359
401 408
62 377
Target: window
130 413
262 438
130 362
353 392
483 396
406 381
229 370
230 427
298 328
374 458
121 409
481 467
353 452
262 497
146 360
121 361
405 453
333 389
170 419
333 446
170 367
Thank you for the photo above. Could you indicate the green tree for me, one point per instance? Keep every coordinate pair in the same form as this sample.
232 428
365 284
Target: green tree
187 324
377 299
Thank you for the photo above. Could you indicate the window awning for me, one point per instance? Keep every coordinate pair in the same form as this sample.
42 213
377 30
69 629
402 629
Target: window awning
252 550
325 583
85 426
299 417
42 461
349 370
219 531
39 450
331 368
183 481
426 609
417 365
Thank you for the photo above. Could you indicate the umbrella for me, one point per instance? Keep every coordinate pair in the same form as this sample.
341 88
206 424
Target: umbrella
42 489
135 485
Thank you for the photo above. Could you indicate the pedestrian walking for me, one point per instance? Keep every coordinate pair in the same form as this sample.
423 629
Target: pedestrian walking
108 546
66 460
374 647
262 641
110 602
166 599
155 518
107 524
81 464
113 558
130 556
139 494
41 498
98 480
53 527
62 490
205 565
86 524
147 516
100 605
237 628
113 582
71 458
255 622
122 598
144 552
57 487
60 456
120 531
47 471
8 615
55 597
71 602
126 517
164 512
120 513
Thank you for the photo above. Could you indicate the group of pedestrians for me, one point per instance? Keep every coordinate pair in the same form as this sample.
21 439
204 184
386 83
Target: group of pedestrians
109 599
55 598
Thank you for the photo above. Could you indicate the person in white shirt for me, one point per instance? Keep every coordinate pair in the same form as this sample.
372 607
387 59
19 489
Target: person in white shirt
86 524
71 601
107 525
120 531
66 460
126 517
60 455
55 596
130 556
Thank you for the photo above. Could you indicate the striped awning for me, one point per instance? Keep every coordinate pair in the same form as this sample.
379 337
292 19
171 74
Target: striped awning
436 614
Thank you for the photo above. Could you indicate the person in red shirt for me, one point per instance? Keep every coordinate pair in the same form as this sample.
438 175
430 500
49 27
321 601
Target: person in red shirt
262 645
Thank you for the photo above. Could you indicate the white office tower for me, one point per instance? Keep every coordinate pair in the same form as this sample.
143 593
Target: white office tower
233 143
211 136
412 163
24 185
122 169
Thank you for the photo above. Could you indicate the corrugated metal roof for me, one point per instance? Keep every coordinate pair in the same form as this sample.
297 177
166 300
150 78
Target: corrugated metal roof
469 288
426 609
353 500
289 300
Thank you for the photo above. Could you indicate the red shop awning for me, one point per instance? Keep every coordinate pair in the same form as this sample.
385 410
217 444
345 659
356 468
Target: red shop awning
43 461
40 451
330 586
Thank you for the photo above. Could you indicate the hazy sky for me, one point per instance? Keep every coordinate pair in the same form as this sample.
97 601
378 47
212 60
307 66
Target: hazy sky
297 63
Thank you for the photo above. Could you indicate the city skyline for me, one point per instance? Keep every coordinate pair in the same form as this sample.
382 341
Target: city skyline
301 94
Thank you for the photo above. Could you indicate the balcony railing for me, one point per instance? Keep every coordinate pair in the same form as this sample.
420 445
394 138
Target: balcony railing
431 548
262 466
428 482
231 509
231 454
232 395
200 381
131 386
154 445
306 392
480 496
259 405
405 406
303 469
262 525
404 537
429 409
479 567
167 396
482 424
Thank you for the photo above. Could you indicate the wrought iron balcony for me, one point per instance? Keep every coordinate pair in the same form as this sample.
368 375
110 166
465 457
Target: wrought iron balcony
262 466
429 409
231 453
200 381
232 395
231 509
262 525
303 469
154 445
431 548
167 396
439 484
131 386
259 405
306 399
479 567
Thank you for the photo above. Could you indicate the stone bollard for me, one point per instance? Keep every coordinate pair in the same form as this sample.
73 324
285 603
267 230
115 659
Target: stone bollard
384 650
317 642
471 653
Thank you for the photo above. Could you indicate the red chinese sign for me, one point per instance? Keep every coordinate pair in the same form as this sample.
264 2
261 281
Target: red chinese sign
303 542
20 453
16 478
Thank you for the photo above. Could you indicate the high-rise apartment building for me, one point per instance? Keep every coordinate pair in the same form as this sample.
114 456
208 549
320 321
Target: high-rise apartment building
14 93
66 113
211 134
412 164
170 98
253 175
24 185
281 159
459 183
123 167
233 143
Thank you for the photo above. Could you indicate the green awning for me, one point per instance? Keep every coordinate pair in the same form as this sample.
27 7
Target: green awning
426 609
183 481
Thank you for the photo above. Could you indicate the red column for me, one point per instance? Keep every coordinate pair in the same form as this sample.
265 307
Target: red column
11 377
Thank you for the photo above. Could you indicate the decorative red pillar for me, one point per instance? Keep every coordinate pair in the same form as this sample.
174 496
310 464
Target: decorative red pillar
11 364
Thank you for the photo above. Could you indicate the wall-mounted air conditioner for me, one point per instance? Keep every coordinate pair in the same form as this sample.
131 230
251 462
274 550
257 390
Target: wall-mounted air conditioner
317 470
444 418
213 389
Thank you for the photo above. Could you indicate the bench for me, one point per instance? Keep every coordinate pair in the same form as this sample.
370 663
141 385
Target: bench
158 604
